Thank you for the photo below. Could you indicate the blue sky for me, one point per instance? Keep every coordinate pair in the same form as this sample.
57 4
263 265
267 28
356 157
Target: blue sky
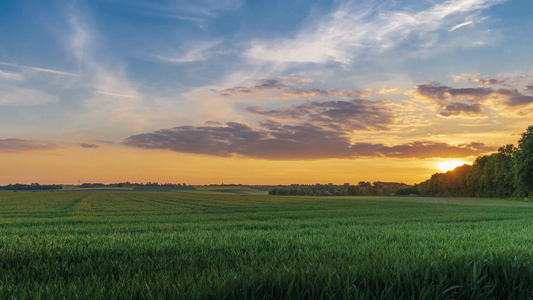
391 84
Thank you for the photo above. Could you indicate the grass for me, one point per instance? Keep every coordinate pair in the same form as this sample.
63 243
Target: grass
212 246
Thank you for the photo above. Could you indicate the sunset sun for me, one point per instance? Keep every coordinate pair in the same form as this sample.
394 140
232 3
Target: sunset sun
449 165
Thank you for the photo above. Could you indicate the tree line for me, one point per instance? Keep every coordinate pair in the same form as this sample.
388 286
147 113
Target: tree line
363 188
506 173
31 187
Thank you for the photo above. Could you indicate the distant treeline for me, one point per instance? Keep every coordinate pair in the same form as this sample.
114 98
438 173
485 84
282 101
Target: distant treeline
363 188
31 187
131 184
165 188
136 186
507 173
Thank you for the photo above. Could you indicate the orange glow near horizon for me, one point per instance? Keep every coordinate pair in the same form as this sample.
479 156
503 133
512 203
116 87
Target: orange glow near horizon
115 163
449 165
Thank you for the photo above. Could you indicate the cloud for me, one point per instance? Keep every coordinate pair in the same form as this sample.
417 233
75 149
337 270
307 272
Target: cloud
388 91
20 145
289 88
356 114
514 97
449 98
440 93
15 96
489 81
89 145
457 108
51 71
199 12
422 149
213 140
275 141
529 88
478 93
460 25
262 86
361 25
116 94
446 97
114 100
11 76
432 91
198 52
212 123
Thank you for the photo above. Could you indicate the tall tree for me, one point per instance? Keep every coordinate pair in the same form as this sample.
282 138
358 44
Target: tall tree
523 164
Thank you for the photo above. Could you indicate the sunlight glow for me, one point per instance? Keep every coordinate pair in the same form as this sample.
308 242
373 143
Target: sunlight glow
449 165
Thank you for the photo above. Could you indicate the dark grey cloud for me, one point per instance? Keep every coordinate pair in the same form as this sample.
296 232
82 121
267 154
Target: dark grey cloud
448 98
222 141
440 93
489 81
275 141
261 86
514 97
422 149
457 108
20 145
89 145
299 142
356 114
212 123
105 142
290 90
478 93
326 93
432 91
529 88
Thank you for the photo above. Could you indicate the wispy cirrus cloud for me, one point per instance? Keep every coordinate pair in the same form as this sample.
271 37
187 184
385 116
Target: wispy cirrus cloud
114 99
359 25
44 70
21 145
116 94
11 76
198 12
198 52
454 28
19 96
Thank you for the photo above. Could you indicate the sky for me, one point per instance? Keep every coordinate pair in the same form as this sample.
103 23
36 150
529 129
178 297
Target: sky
259 92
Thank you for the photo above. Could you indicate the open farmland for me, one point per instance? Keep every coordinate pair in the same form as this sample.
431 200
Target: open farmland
208 245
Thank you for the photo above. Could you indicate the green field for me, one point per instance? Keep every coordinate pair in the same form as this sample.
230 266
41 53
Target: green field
248 190
212 246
